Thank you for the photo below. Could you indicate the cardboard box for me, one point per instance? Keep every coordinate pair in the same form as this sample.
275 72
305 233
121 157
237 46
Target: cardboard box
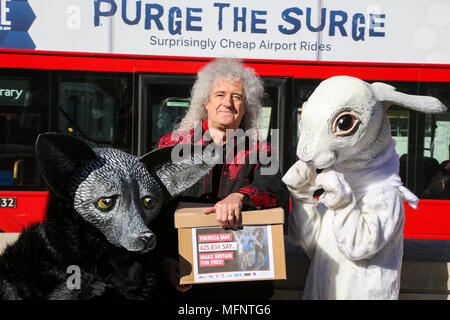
209 253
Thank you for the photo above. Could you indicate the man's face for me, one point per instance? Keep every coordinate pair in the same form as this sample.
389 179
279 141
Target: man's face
226 106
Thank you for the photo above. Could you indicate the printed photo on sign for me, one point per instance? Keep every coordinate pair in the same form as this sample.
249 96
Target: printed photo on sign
228 255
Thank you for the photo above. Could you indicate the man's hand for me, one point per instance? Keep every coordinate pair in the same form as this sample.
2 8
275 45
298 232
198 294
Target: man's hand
228 210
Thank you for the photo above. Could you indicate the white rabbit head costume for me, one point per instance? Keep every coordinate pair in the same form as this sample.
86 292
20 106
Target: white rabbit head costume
345 118
354 233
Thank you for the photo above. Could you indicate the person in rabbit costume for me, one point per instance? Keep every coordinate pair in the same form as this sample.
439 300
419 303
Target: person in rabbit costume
354 232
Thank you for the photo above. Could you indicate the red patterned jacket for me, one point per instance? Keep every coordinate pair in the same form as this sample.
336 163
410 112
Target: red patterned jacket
241 176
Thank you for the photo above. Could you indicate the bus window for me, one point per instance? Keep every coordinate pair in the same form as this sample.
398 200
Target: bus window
267 114
23 115
399 119
305 90
436 148
167 115
166 100
95 108
302 89
274 113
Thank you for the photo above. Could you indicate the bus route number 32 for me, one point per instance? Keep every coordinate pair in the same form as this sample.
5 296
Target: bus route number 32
7 202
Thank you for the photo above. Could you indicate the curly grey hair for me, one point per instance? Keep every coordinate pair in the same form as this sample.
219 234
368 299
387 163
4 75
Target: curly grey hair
228 69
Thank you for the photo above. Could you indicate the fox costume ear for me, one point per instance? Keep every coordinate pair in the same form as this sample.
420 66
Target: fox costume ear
178 167
58 156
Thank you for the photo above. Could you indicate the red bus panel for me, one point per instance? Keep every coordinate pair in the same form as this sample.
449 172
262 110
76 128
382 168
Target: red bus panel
429 221
13 58
30 208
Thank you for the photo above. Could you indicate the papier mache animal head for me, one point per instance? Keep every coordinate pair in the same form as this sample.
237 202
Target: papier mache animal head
345 119
117 193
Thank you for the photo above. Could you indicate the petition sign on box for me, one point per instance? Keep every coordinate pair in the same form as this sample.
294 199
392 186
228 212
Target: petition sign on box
242 254
209 253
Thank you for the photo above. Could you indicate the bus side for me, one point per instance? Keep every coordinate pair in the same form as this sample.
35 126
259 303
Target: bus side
131 110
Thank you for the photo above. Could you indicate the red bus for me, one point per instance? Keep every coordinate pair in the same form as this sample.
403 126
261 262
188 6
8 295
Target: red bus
129 98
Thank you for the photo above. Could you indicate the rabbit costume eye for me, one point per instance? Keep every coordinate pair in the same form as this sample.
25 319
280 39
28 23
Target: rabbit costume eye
345 124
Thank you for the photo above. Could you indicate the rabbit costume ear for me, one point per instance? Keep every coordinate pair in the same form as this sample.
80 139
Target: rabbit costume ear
387 94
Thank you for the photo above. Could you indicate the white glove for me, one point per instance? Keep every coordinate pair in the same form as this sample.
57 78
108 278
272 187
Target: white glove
300 180
337 192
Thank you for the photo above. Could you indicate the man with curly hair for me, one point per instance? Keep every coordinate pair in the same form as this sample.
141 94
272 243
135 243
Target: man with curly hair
227 99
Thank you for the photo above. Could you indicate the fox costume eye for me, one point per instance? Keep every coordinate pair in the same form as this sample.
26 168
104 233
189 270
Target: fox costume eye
148 202
106 204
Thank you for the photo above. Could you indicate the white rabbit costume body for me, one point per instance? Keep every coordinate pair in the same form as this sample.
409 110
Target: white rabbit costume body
354 233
